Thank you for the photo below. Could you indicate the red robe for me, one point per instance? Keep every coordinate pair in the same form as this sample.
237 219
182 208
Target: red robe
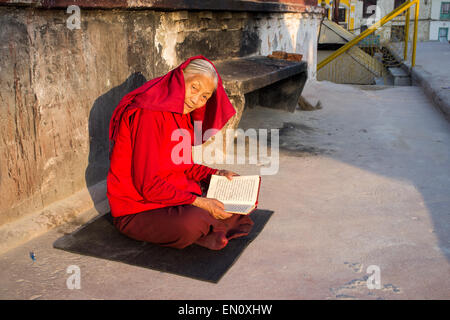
142 175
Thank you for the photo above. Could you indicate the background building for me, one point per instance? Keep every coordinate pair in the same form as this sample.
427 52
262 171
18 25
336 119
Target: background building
440 20
357 15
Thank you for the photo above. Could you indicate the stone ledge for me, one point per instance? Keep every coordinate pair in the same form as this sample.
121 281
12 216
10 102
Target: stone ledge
80 207
230 5
433 89
259 80
245 74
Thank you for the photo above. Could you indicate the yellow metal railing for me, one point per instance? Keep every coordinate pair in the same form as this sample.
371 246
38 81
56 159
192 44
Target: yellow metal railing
402 8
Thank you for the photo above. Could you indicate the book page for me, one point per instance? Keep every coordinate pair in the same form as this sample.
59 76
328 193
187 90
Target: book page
238 208
240 190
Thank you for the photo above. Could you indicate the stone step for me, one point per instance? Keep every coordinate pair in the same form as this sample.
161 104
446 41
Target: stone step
400 76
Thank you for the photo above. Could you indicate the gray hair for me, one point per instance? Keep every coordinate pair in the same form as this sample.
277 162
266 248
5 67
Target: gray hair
201 66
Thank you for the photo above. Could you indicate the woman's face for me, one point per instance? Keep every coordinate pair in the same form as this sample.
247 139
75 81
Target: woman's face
199 88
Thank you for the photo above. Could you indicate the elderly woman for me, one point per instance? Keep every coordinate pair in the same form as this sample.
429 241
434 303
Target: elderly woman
153 198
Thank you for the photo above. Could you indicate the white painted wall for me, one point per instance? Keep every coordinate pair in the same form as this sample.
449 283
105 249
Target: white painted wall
291 32
358 15
434 29
436 9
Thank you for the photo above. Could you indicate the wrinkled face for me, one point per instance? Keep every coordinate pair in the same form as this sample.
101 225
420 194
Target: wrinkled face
199 88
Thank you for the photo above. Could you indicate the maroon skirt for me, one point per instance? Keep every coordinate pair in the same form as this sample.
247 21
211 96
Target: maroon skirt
183 225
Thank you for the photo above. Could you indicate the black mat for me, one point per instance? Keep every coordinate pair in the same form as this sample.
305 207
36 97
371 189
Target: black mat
99 238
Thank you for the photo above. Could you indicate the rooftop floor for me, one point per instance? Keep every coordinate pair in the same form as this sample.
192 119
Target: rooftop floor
363 181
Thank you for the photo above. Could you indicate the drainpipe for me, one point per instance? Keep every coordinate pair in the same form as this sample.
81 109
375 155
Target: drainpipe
336 11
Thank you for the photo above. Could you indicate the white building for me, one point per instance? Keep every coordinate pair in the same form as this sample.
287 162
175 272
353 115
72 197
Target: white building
373 10
358 15
440 20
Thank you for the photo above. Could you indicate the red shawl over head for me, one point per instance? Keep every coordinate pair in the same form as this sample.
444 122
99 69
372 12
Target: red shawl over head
166 93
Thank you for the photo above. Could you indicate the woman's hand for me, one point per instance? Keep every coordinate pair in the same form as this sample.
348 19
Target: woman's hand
226 173
213 206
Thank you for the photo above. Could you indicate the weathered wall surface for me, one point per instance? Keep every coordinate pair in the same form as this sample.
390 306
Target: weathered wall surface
59 87
232 5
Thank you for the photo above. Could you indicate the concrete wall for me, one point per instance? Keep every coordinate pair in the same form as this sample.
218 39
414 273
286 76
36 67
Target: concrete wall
59 87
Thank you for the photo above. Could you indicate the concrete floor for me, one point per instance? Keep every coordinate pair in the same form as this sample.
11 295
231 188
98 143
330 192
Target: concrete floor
363 181
434 57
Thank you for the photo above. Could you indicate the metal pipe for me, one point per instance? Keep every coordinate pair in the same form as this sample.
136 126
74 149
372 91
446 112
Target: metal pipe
405 51
416 22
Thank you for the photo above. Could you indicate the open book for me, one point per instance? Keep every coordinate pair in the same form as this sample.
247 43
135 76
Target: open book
240 195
